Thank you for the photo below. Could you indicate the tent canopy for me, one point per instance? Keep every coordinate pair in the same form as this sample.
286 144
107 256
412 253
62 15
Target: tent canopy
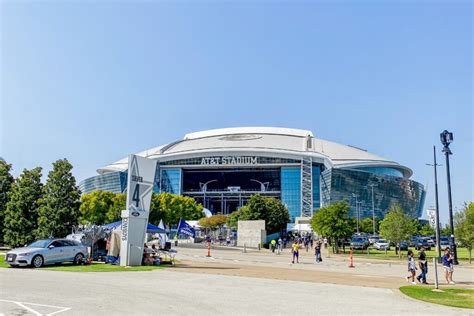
150 228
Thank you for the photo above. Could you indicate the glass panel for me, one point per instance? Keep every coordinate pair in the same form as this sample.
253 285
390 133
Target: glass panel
291 190
171 181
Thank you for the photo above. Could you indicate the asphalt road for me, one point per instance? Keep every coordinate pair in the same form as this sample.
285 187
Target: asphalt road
42 292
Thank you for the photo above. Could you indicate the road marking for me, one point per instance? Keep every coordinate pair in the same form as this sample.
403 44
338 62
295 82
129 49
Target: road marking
21 304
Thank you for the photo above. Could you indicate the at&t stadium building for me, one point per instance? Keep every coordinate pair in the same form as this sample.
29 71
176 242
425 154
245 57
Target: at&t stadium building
223 168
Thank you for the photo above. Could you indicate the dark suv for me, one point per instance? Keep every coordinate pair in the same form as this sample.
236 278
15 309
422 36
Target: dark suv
422 242
358 242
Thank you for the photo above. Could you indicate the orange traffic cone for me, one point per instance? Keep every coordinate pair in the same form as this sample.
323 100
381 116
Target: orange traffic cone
351 260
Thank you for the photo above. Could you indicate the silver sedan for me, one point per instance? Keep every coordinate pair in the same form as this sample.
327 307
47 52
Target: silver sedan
47 251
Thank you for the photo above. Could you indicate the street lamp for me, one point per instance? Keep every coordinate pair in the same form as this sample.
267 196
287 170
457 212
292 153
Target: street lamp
204 189
263 185
446 139
438 242
372 185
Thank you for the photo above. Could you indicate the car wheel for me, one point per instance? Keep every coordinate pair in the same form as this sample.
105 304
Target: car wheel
37 261
78 258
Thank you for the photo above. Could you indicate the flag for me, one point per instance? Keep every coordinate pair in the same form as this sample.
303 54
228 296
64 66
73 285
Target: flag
186 229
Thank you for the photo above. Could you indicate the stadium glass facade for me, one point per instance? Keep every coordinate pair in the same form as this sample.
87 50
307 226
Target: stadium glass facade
354 186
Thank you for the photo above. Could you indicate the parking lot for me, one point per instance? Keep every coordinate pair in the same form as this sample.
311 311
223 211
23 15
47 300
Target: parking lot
231 282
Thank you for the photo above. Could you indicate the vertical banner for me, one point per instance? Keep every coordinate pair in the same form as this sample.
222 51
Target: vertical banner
141 176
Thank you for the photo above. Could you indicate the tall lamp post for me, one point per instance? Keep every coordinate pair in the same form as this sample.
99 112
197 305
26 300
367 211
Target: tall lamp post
372 185
263 185
446 139
438 242
204 189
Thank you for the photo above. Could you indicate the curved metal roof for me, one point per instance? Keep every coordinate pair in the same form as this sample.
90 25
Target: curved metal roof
263 141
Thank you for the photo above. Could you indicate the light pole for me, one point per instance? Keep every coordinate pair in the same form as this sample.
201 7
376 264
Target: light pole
438 242
446 139
372 185
204 189
263 185
357 209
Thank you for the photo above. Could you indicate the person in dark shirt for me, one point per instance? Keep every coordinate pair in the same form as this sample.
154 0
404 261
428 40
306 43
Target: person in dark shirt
448 265
423 265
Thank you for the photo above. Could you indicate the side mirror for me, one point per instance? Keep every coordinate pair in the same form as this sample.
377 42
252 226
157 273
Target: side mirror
51 246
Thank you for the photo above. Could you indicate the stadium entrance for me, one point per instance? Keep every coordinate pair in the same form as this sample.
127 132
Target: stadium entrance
225 190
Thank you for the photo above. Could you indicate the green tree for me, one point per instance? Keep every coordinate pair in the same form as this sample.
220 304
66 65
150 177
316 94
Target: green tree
464 227
269 209
114 213
95 206
6 181
333 221
171 207
445 231
426 230
397 226
61 197
366 226
241 214
21 212
214 222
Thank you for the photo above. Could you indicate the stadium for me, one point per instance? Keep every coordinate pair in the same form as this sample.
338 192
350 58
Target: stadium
223 168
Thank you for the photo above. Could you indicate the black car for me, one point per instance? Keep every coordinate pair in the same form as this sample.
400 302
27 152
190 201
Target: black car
422 242
403 245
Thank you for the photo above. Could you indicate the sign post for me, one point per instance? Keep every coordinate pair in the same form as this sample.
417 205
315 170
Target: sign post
141 177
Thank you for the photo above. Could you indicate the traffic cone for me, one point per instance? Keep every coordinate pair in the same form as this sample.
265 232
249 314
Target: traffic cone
351 260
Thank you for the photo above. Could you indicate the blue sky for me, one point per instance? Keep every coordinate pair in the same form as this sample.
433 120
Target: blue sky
94 81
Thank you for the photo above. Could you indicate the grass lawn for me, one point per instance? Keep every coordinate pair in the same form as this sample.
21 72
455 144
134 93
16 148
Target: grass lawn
449 296
463 254
95 267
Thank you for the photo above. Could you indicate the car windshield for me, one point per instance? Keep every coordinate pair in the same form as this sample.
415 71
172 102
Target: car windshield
382 240
358 239
43 243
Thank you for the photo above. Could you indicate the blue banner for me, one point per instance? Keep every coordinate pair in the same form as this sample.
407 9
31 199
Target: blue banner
186 229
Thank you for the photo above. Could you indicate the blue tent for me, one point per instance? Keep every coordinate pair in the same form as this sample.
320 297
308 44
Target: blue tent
150 228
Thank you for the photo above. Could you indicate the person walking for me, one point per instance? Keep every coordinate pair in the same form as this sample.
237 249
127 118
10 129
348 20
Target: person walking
317 252
280 245
273 243
296 251
448 265
411 267
423 265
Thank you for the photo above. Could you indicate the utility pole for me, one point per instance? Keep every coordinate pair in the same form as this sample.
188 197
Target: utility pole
372 185
438 242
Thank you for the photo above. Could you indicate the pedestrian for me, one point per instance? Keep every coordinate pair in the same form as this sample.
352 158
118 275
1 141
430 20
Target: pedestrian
411 267
448 265
280 245
423 265
273 243
317 252
325 241
296 251
285 241
228 241
311 241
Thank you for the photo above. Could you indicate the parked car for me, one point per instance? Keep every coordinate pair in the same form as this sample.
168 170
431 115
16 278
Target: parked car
382 244
403 246
443 242
359 242
413 240
422 242
373 239
47 251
